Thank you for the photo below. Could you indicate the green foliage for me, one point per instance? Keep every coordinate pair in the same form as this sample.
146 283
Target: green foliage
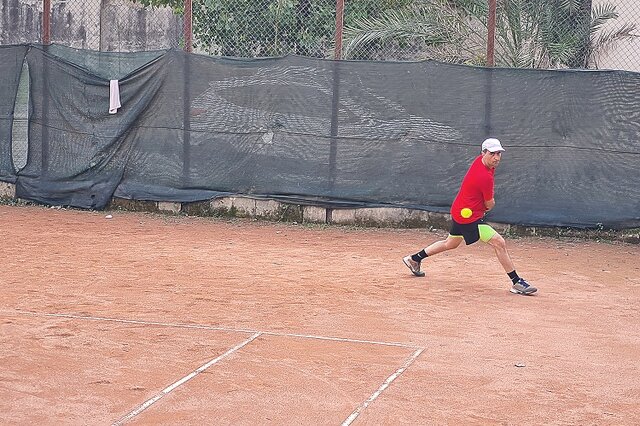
542 33
252 28
176 5
529 33
422 26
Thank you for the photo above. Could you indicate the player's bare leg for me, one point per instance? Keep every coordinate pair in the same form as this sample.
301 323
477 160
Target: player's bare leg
500 247
443 245
520 285
435 248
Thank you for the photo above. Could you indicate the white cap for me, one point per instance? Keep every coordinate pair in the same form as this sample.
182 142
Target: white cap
492 145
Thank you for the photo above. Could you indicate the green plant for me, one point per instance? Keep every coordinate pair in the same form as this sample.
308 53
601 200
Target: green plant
251 28
529 33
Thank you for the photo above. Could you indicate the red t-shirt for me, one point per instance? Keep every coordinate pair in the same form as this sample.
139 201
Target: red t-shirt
476 188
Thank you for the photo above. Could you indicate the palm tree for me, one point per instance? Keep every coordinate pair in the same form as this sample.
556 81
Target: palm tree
422 30
529 33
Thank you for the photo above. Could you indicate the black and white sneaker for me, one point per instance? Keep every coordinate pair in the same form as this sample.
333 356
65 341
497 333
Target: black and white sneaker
413 266
523 287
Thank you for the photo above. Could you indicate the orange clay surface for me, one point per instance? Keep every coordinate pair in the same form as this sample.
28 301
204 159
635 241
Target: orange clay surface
147 319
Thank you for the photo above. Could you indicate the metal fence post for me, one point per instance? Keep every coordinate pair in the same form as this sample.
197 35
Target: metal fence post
188 25
335 103
46 22
186 106
491 33
46 40
339 26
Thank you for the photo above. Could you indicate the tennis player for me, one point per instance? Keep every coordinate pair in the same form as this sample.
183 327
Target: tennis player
473 201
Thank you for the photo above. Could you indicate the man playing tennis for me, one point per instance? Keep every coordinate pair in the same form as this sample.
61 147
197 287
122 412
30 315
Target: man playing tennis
474 199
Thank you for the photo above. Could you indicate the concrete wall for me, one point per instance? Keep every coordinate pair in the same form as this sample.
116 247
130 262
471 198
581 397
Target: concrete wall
20 21
108 25
128 26
385 217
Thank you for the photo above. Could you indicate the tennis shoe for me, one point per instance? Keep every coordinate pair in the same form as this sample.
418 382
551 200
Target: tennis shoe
413 266
523 287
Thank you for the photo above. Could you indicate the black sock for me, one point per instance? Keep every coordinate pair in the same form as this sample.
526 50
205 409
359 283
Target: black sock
514 276
419 256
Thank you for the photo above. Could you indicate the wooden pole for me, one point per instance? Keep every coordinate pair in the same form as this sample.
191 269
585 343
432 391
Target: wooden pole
339 25
491 34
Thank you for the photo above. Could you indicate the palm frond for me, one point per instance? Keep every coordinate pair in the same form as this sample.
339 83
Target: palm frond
571 6
606 41
529 33
476 8
391 24
432 26
601 14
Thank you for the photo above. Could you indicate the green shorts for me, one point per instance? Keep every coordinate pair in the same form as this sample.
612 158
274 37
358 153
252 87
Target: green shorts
472 232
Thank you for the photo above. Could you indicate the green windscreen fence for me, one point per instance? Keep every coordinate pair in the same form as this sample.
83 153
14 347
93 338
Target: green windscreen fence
319 132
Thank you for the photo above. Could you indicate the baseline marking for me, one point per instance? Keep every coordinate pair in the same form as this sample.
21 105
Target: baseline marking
185 379
208 327
385 385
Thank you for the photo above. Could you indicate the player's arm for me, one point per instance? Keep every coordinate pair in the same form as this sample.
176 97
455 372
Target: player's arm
487 194
489 204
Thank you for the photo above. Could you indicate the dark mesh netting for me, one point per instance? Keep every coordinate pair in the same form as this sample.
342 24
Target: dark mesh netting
11 64
327 133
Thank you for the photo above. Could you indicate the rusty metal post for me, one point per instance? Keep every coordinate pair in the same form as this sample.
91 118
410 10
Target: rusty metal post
46 22
188 25
186 106
339 26
491 34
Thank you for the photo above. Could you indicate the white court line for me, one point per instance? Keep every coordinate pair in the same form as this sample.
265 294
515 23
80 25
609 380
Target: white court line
185 379
207 327
386 384
151 401
340 339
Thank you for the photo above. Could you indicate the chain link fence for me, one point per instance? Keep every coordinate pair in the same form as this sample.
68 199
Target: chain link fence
103 25
619 37
529 33
550 34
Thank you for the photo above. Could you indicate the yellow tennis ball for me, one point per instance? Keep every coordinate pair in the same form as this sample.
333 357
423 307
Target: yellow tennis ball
466 212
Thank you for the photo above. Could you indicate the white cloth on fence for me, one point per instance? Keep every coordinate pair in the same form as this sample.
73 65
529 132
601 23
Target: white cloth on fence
114 96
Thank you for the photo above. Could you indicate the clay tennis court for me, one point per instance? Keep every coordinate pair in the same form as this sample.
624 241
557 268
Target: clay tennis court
148 319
